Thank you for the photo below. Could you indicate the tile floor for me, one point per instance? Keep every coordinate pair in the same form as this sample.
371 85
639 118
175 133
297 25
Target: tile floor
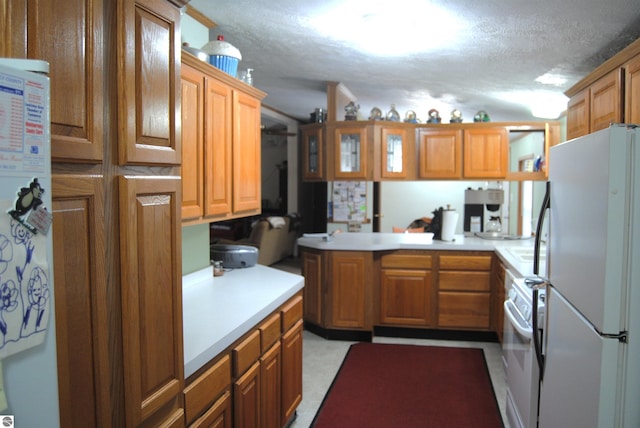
322 359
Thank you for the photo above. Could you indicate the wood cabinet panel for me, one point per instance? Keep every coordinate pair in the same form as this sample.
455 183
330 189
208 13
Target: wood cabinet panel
246 353
192 115
464 310
471 281
440 153
246 399
465 262
408 261
218 416
632 91
246 154
579 114
350 273
395 154
218 153
313 152
606 101
76 59
269 332
199 395
350 150
271 384
149 83
486 152
291 312
151 294
405 297
312 270
291 371
81 312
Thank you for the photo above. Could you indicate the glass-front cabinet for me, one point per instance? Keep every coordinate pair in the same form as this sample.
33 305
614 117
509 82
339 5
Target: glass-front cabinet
313 152
395 153
350 152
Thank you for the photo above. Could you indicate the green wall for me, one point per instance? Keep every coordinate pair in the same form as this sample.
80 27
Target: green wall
195 248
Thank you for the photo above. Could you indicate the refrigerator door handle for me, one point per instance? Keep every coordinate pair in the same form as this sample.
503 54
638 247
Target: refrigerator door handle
546 204
537 339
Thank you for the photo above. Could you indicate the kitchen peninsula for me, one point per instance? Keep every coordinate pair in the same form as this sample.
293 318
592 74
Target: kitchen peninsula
361 284
242 346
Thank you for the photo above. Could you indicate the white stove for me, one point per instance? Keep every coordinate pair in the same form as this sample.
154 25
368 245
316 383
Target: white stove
521 365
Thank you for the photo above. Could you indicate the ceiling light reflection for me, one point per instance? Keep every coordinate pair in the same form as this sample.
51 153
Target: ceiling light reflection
386 28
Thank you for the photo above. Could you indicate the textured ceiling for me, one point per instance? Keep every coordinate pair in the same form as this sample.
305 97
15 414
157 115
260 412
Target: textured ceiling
489 63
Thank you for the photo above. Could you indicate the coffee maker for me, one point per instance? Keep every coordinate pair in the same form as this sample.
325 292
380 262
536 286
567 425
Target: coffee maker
478 205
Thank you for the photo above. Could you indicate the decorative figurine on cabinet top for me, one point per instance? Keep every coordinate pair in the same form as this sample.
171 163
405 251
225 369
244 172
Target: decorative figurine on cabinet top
351 110
410 117
376 114
434 116
456 116
393 115
481 116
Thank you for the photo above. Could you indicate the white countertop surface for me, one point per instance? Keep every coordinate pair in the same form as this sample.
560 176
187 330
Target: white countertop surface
218 311
419 241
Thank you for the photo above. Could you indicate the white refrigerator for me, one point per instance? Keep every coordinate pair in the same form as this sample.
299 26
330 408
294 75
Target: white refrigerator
591 347
28 372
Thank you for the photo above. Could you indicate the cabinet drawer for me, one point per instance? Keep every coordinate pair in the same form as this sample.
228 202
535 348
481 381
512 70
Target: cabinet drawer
219 415
246 353
465 281
269 332
465 262
462 310
205 389
406 261
291 312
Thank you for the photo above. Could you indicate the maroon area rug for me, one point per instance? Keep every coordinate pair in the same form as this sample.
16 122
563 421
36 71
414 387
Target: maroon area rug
389 386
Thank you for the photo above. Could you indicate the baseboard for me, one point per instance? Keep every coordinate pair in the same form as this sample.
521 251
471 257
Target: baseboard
333 334
423 333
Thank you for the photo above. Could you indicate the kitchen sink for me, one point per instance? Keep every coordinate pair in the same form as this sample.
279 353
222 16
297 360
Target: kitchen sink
525 254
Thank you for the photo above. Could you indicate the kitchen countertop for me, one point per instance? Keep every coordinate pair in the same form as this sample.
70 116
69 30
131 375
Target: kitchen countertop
419 241
218 311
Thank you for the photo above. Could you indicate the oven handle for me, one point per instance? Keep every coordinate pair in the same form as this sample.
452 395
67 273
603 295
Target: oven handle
526 333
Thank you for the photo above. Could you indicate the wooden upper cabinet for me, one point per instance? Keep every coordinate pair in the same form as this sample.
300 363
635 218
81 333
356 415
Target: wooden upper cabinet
440 153
149 83
192 114
350 151
606 101
247 195
397 152
76 58
632 91
313 152
151 283
486 152
578 114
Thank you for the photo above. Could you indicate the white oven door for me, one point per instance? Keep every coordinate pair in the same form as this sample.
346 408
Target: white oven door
521 369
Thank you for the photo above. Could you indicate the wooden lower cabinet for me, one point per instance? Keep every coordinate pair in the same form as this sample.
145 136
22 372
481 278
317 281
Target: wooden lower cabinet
291 371
246 399
498 277
406 290
271 392
464 291
313 271
350 291
257 382
432 289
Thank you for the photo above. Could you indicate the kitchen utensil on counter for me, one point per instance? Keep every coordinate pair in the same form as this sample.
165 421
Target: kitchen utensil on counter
493 225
